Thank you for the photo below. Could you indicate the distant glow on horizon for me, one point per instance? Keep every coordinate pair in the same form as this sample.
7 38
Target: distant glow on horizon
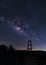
38 49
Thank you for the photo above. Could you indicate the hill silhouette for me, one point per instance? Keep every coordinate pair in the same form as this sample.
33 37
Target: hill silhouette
10 56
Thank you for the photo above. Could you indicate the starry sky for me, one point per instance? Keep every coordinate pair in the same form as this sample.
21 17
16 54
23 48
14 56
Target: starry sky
23 20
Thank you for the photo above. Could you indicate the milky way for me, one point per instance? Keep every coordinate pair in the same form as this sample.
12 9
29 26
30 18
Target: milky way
21 21
22 27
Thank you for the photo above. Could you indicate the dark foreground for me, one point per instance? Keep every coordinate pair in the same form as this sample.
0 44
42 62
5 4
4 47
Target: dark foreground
15 57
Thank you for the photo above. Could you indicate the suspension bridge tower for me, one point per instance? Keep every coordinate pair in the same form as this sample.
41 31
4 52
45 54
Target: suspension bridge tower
29 45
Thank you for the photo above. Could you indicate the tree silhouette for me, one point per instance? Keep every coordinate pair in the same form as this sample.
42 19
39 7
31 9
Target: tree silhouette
3 50
11 50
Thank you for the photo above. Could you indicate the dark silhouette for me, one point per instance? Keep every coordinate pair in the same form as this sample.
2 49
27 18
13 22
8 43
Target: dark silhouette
10 56
3 50
11 48
29 45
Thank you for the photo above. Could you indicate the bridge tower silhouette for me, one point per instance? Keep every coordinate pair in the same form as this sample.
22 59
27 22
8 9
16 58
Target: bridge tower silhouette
29 45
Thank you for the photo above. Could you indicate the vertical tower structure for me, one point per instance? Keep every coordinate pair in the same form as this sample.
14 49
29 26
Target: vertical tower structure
29 45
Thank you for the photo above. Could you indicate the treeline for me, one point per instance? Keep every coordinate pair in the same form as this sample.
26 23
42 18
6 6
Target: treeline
4 50
10 56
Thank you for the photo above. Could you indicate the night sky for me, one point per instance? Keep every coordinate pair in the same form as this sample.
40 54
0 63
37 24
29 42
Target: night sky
23 20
